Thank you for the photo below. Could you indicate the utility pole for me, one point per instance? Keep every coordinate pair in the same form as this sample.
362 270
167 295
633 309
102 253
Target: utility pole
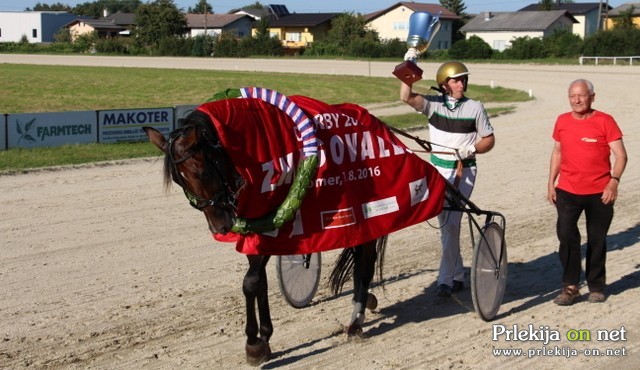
599 17
206 10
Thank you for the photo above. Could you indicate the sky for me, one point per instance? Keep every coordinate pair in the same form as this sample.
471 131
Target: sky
322 6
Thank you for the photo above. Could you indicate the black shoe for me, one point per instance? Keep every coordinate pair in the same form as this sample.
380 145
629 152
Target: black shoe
457 286
443 291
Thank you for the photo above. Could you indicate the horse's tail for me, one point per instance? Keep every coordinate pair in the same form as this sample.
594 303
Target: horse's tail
343 268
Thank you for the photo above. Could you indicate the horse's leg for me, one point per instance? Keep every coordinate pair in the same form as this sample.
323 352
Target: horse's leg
254 288
364 268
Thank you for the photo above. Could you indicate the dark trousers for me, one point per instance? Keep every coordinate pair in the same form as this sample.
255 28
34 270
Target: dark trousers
598 218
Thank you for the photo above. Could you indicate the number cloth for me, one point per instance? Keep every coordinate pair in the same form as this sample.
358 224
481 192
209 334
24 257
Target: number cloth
367 184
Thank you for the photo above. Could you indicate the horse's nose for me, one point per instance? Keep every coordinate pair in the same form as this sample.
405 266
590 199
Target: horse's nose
219 229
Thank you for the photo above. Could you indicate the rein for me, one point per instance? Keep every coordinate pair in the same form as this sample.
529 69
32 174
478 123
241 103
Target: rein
225 199
427 146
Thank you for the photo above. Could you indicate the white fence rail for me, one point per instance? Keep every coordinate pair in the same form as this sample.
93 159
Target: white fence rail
627 60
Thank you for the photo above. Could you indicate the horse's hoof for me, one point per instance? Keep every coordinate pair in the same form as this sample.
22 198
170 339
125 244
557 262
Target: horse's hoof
372 302
354 330
257 353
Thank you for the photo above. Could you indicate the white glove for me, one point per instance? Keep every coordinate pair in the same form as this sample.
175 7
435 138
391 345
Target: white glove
465 152
411 55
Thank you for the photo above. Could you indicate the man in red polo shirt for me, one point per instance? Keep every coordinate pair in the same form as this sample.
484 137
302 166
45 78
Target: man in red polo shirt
582 178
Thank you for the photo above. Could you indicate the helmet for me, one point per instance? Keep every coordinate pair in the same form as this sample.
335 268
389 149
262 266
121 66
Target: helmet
450 70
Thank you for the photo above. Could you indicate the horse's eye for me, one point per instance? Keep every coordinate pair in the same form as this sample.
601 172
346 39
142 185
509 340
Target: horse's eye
206 175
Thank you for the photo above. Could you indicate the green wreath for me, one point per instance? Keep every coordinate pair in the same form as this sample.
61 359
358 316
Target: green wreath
286 211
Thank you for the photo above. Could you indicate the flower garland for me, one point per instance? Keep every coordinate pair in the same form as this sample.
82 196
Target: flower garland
306 170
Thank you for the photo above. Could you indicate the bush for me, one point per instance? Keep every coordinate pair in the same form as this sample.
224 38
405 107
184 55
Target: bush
115 45
364 48
525 48
202 46
563 44
84 43
265 45
617 42
393 49
473 48
323 48
174 46
226 46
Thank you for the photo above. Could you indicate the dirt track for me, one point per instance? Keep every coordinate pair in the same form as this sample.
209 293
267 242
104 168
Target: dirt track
101 269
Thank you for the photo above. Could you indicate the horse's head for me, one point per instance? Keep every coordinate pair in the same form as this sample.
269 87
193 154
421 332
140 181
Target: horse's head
195 160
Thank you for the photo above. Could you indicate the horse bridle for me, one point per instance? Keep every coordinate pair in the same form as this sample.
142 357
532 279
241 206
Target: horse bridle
225 199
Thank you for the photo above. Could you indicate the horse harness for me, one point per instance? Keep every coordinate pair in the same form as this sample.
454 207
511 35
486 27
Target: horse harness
227 197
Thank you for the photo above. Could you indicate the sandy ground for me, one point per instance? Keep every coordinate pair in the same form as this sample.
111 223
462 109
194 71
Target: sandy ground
101 269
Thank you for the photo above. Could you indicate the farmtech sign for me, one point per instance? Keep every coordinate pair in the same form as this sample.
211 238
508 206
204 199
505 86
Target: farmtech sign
30 130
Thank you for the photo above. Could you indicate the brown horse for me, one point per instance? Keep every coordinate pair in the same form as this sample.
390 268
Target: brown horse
196 160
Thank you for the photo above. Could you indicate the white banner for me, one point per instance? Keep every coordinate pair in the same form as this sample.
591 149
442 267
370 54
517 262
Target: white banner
125 125
31 130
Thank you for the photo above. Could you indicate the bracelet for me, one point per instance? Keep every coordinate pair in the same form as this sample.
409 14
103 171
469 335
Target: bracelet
615 178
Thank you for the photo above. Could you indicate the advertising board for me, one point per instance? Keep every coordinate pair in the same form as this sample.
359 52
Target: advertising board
125 125
31 130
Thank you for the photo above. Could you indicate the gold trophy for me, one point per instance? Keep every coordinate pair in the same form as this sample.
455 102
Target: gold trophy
423 27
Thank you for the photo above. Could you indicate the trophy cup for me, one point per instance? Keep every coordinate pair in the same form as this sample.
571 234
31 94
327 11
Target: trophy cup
423 27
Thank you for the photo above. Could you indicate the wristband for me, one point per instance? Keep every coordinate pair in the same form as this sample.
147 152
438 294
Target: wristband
615 178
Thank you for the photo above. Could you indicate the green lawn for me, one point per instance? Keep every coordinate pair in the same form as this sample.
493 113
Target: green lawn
27 88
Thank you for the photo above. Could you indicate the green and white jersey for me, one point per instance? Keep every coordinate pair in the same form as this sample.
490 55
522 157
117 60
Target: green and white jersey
454 123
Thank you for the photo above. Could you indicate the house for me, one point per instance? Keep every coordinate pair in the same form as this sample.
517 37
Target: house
258 13
498 29
588 15
214 24
615 12
393 22
298 30
116 24
35 27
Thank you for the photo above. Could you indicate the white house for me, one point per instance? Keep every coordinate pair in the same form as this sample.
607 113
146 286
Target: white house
393 22
36 27
215 24
499 29
588 15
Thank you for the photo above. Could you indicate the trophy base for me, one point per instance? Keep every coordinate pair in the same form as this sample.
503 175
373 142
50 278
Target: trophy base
408 72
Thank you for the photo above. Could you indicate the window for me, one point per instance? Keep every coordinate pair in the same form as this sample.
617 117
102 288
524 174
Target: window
400 25
34 33
294 36
499 45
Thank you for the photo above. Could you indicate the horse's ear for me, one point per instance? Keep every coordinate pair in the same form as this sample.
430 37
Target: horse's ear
156 138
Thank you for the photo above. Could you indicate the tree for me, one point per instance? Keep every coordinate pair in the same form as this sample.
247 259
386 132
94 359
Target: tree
156 21
457 7
97 8
347 27
59 7
546 4
201 7
624 20
257 5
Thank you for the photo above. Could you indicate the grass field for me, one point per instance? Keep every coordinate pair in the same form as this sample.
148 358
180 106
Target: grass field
28 88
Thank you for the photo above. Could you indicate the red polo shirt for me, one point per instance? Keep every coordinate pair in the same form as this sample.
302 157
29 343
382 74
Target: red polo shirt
584 149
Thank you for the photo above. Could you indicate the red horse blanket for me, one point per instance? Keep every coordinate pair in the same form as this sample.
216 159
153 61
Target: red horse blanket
368 183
